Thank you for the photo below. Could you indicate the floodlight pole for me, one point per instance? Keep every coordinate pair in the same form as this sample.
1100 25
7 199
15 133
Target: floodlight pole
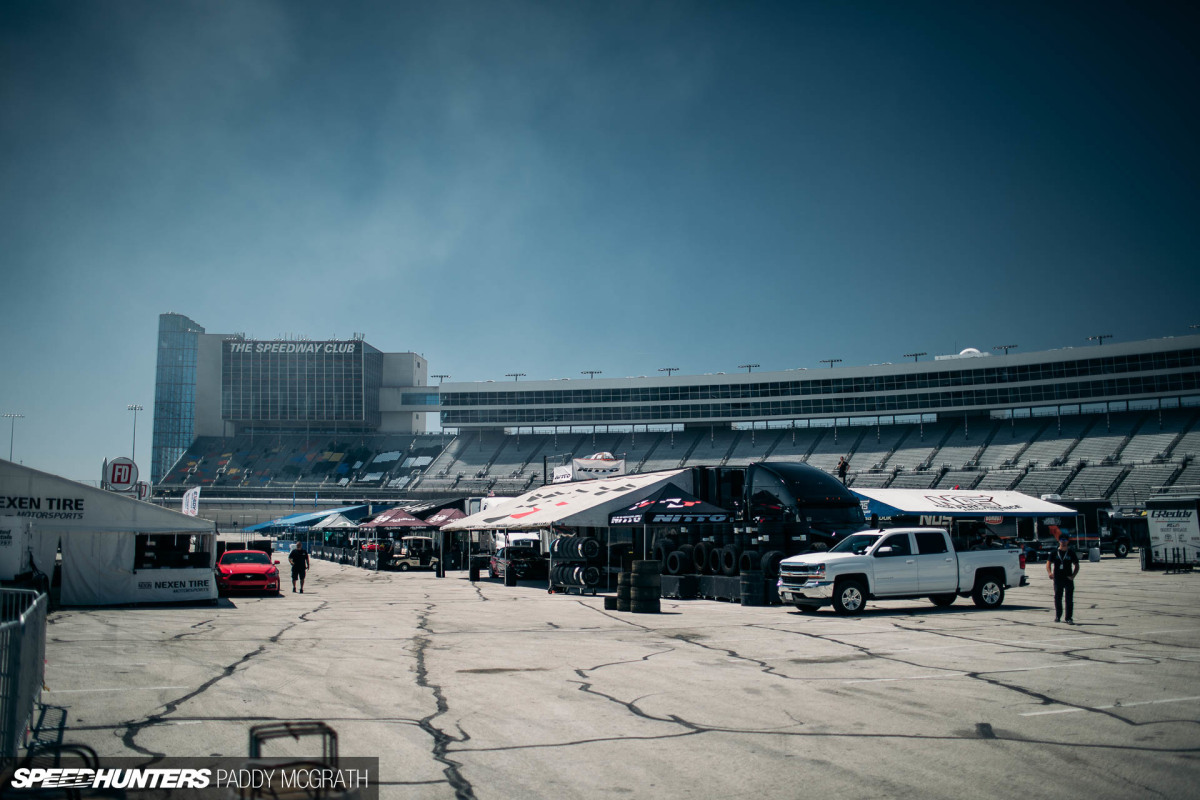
12 429
516 376
748 367
1099 338
915 356
135 408
1005 347
668 370
831 361
591 373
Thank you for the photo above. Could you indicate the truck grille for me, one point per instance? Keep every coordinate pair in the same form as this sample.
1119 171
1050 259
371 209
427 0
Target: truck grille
797 576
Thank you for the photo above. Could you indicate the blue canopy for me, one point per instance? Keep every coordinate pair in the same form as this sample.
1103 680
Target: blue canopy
305 519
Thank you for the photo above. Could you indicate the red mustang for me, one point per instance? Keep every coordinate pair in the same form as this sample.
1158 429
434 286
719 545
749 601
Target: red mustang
247 571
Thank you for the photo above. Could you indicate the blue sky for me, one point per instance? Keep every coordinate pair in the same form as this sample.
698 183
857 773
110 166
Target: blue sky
558 186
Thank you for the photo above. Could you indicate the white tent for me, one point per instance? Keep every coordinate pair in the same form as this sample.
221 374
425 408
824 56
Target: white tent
957 503
98 534
584 503
333 522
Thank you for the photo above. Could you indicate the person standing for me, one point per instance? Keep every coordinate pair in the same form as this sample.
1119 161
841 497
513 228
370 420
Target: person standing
1063 566
842 467
300 563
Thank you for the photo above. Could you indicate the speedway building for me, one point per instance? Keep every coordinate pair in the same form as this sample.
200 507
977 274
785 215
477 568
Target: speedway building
339 417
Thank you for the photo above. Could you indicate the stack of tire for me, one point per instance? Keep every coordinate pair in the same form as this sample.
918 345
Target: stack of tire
640 591
645 587
575 575
575 547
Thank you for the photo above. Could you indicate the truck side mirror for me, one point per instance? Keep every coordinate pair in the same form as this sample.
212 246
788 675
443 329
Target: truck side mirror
884 551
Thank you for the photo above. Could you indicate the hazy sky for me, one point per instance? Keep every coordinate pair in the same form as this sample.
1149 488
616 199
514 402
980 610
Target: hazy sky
558 186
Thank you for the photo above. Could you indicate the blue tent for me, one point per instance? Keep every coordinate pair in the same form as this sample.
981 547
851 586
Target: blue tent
308 518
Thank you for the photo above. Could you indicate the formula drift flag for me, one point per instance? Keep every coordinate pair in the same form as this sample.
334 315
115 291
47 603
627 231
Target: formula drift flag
191 502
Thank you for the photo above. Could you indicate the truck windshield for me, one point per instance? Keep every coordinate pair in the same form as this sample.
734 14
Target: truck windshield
857 544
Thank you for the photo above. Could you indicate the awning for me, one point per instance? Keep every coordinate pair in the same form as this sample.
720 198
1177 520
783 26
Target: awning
309 518
670 505
444 517
52 503
395 518
582 503
334 522
957 503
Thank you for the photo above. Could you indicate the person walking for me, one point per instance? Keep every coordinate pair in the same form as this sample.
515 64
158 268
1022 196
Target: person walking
300 564
1063 566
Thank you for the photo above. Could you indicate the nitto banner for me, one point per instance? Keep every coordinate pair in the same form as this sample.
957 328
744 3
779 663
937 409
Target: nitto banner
588 468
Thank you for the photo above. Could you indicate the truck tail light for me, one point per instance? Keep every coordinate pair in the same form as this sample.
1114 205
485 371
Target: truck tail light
1022 561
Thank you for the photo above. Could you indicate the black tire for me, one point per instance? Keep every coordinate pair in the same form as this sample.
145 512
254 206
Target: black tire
730 555
647 568
1121 549
403 566
943 600
749 561
849 596
646 581
591 576
510 577
769 563
677 562
646 606
610 604
700 556
640 593
715 559
988 592
589 548
1147 559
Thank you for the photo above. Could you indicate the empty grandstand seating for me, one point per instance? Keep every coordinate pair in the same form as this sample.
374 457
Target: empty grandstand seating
795 443
962 446
673 447
752 446
869 480
999 479
915 480
963 479
1037 482
1154 437
1093 482
1105 439
1052 444
1188 445
836 443
919 446
1142 481
1009 439
877 444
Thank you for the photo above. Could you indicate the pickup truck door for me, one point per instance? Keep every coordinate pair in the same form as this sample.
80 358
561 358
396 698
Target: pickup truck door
937 565
895 571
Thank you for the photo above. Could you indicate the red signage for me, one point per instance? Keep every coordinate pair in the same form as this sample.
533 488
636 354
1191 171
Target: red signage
121 474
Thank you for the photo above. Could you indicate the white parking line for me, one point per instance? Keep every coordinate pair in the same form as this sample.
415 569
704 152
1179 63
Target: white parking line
976 672
116 689
1110 708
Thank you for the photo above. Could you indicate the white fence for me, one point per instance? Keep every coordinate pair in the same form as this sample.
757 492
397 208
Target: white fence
22 664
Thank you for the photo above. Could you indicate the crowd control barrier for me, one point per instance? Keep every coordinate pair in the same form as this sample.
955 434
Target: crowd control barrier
22 664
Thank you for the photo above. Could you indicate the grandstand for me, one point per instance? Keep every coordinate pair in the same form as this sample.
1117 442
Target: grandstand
1122 421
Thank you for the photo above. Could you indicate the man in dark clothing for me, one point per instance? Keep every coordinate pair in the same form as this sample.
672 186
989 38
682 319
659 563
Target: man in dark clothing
1063 566
299 561
842 467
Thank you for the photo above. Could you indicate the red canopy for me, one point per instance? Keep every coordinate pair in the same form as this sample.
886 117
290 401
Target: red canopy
395 518
445 515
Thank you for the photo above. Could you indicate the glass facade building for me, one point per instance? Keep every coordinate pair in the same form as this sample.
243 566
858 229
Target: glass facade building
1155 369
174 391
293 385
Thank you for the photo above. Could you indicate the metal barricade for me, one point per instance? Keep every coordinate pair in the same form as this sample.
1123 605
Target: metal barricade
22 664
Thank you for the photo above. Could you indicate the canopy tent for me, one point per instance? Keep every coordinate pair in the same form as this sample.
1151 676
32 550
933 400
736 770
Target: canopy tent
444 517
670 505
396 518
98 531
956 503
308 518
584 503
334 522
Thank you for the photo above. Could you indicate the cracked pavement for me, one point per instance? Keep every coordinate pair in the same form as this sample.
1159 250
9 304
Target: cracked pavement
482 691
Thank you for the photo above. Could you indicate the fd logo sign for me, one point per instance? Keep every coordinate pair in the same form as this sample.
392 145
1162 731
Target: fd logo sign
121 475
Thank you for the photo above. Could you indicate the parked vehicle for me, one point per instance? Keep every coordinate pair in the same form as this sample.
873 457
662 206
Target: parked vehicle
413 552
1097 518
246 571
525 562
898 563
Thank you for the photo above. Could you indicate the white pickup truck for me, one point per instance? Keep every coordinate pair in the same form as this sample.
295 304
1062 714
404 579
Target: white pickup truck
898 563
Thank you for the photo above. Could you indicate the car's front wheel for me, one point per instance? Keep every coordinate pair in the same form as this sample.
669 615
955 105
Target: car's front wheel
849 597
1120 549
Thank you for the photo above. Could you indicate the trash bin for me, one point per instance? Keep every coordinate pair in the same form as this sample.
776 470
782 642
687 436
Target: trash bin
1093 554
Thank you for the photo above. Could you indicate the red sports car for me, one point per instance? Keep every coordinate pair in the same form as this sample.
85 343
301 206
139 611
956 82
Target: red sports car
247 571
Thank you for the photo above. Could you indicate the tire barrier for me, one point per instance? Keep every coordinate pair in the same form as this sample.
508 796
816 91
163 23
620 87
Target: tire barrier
646 606
749 561
715 556
769 563
700 556
645 587
754 588
575 575
678 563
610 604
647 567
689 587
663 548
730 554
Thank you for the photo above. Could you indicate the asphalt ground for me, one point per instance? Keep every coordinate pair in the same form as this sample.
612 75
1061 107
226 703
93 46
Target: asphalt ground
483 691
